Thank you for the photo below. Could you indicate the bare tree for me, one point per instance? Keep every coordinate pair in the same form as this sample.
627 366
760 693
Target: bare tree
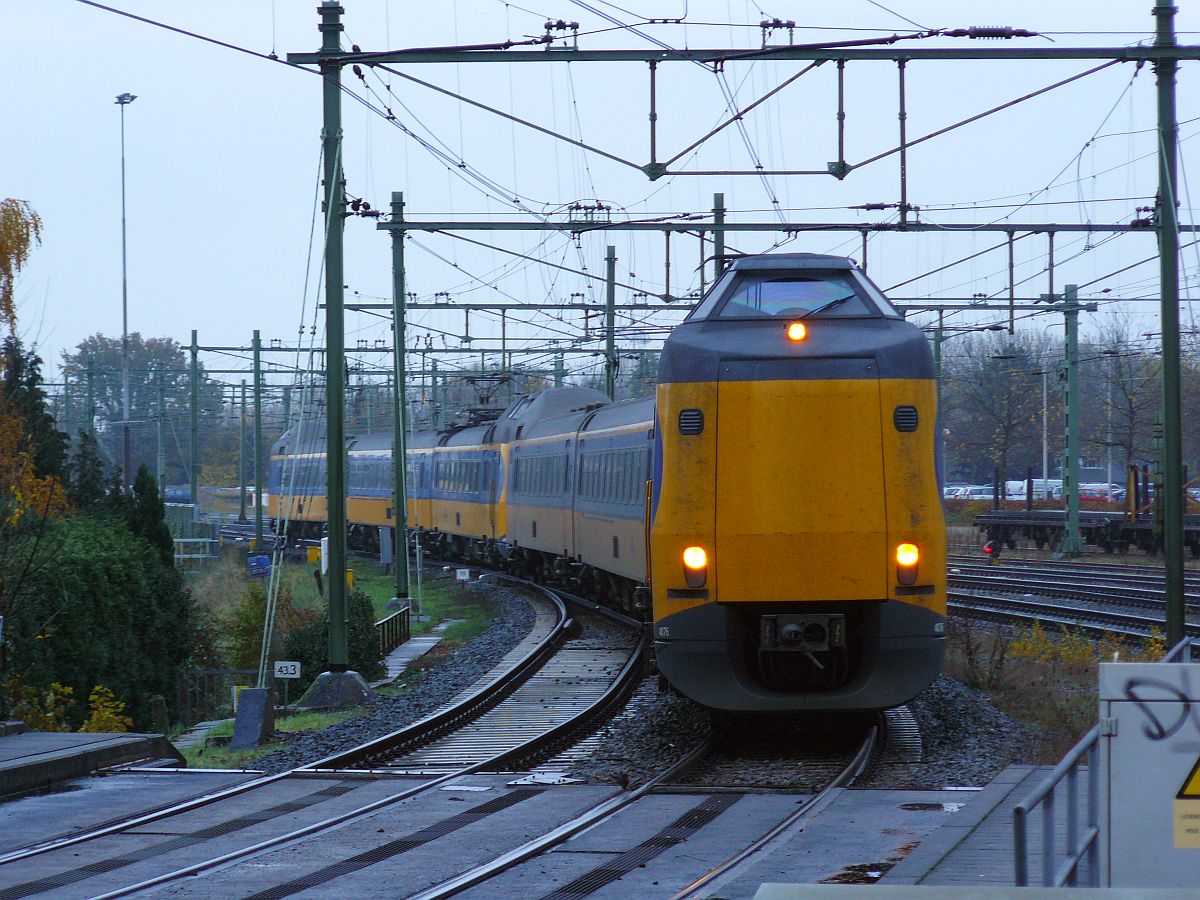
992 403
1121 383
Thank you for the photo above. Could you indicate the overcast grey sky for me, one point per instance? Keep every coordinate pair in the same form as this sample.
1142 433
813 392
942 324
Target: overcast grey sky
223 153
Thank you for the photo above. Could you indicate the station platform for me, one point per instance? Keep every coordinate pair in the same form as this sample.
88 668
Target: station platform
975 846
39 759
970 856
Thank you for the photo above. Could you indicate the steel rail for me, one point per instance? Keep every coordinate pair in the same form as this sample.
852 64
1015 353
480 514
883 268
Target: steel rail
498 760
477 699
852 770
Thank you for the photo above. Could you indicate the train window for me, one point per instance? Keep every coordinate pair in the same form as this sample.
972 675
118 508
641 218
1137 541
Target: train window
868 287
590 475
520 405
715 293
760 294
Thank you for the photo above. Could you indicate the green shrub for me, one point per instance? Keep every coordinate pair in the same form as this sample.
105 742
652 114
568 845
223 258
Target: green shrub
103 610
244 626
310 645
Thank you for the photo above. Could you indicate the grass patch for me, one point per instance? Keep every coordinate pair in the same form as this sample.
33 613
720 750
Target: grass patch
1044 678
200 756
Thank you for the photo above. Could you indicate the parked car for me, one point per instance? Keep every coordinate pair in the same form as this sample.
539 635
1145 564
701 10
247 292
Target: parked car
1101 492
975 492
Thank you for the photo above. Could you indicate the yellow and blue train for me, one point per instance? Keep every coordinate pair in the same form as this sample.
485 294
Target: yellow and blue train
774 511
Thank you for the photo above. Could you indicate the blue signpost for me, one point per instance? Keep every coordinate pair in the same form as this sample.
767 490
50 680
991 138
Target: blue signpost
259 566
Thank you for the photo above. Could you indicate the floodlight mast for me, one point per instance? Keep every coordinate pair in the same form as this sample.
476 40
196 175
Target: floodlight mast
122 101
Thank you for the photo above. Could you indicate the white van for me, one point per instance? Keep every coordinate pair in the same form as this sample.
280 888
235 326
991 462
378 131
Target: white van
1041 487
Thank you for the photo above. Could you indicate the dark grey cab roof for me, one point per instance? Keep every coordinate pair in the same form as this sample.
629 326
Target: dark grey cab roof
793 261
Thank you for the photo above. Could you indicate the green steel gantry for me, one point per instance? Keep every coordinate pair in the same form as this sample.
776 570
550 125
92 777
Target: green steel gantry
1165 55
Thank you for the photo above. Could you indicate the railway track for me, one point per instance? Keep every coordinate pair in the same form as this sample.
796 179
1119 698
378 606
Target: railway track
347 791
501 875
1118 591
1115 571
1024 610
564 692
1122 599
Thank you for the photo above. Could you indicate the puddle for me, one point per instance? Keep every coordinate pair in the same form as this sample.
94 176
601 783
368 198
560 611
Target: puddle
864 873
933 807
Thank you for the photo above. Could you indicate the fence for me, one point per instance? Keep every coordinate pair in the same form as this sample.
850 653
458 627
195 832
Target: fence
393 631
208 693
1081 840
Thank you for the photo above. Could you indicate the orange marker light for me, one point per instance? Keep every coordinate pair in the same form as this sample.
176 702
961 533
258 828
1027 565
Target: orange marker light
695 558
907 555
796 331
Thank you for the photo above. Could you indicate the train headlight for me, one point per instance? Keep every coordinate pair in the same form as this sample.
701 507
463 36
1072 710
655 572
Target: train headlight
695 566
907 557
797 331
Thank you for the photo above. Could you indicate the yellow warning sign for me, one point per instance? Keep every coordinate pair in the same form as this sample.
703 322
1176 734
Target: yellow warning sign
1187 811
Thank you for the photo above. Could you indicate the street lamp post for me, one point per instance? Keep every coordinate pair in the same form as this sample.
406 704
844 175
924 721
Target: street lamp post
124 100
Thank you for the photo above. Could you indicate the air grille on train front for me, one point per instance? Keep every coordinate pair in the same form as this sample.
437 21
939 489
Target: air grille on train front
691 421
905 418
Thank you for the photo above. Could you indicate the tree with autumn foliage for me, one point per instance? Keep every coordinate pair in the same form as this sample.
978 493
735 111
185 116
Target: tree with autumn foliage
20 232
92 603
31 448
31 493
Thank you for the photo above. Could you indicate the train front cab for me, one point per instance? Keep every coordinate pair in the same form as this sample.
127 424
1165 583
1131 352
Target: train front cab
799 471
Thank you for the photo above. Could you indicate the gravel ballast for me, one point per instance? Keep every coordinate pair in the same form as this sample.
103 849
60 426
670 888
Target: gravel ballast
966 743
430 688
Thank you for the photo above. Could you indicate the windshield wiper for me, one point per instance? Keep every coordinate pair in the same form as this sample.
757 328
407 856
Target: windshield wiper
836 301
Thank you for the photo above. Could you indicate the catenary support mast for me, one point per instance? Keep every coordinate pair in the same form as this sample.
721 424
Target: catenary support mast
400 405
1168 256
335 356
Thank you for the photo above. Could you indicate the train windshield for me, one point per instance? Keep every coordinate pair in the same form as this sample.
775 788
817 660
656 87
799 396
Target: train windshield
795 295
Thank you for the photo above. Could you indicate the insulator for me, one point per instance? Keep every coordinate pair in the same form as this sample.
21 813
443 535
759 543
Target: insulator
996 32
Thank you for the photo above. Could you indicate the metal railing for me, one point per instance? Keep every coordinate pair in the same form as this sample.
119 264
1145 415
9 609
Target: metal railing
1063 869
194 548
1057 873
393 631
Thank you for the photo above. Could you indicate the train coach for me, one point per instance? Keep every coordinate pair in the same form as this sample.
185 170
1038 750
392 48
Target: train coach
774 510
